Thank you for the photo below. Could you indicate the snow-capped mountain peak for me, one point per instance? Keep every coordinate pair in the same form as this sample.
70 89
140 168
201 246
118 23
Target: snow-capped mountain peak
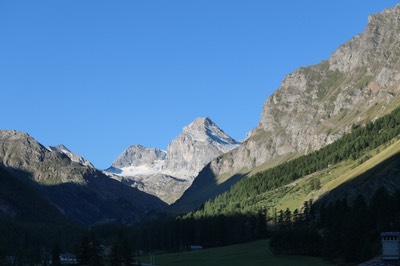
199 143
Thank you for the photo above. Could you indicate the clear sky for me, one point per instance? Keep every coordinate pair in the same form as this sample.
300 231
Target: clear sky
99 76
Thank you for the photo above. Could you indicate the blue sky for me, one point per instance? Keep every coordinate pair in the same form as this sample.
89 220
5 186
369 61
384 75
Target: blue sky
99 76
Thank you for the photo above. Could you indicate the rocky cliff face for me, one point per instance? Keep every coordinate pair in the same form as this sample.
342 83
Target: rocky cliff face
168 174
316 105
80 192
198 144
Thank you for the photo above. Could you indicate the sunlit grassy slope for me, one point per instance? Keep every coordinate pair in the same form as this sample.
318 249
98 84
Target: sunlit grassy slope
249 254
294 194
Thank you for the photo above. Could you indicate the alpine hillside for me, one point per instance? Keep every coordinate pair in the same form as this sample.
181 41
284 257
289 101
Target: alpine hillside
314 106
167 174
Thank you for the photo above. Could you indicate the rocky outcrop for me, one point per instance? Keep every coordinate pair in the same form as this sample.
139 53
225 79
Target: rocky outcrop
168 174
316 105
138 155
73 156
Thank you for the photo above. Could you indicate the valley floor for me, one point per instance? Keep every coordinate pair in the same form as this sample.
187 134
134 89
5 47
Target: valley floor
249 254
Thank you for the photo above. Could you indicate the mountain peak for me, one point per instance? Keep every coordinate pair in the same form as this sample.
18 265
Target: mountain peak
73 156
204 129
200 123
138 155
203 120
199 143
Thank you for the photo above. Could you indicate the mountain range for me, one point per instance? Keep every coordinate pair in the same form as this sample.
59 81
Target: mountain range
314 107
79 192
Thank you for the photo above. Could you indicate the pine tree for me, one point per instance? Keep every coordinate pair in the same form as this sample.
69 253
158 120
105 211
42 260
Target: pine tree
287 218
55 255
84 252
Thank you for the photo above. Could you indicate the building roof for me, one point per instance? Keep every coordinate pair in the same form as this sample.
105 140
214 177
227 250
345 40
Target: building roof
390 234
378 261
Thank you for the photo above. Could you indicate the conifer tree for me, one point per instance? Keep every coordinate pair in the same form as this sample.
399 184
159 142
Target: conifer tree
55 255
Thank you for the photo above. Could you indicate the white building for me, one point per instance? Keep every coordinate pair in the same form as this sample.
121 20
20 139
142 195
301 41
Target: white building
68 258
390 245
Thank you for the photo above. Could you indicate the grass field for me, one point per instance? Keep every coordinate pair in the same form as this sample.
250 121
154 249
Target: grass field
249 254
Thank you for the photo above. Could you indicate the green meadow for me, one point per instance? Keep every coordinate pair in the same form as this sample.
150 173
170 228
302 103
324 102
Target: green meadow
249 254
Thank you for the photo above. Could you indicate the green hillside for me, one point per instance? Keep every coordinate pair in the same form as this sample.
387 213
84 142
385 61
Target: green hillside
320 183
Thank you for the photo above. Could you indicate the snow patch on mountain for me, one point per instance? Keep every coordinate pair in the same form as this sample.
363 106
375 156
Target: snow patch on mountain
143 170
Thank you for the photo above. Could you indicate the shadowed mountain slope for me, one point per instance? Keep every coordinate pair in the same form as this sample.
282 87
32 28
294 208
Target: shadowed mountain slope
79 192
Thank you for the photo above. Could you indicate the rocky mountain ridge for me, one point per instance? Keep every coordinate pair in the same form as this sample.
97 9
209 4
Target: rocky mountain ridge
316 105
20 151
167 174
